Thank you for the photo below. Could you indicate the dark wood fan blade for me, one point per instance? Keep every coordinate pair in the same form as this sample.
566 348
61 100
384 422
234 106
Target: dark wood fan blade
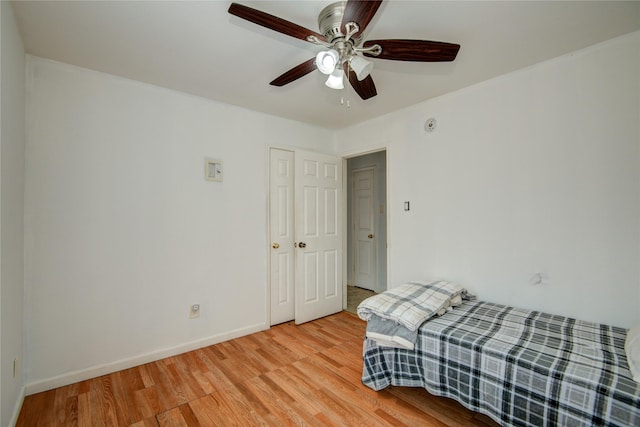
272 22
295 73
414 50
365 88
361 12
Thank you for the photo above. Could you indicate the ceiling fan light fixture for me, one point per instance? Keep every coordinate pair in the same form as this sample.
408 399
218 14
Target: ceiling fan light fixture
361 67
327 60
341 27
336 79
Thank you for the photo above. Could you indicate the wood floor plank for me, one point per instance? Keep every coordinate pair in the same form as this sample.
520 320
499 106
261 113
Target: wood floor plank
288 388
180 383
208 411
291 342
341 392
147 422
84 410
124 385
289 375
446 410
146 402
166 397
183 369
40 402
189 417
171 418
71 411
287 412
64 407
145 375
217 378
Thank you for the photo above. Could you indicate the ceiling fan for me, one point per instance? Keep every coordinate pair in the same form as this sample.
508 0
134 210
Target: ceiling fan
341 27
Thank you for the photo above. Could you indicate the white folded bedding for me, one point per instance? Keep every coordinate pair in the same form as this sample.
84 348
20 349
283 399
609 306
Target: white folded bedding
411 304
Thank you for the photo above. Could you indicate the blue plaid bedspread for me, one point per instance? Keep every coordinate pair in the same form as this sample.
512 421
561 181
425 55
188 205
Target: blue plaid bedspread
520 367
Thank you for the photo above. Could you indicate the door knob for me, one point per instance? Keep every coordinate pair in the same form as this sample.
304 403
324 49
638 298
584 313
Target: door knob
275 246
370 236
302 245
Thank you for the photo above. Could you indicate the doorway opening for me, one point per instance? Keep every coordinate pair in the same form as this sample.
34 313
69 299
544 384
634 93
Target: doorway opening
366 227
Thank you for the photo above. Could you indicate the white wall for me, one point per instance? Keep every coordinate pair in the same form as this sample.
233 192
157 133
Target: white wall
123 233
12 146
534 171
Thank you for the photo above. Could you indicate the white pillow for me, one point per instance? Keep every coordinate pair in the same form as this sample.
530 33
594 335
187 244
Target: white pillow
632 348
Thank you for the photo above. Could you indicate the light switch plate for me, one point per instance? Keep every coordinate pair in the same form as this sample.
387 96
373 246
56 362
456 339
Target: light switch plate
213 170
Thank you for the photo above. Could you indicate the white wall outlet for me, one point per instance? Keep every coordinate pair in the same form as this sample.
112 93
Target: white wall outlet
194 311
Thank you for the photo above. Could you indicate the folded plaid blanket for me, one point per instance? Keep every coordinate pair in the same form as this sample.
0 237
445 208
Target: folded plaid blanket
412 303
388 333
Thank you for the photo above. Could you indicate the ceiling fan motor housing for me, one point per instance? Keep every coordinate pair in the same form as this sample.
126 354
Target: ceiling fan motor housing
330 22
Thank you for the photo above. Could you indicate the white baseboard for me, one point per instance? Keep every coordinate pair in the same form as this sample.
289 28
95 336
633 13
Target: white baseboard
17 407
96 371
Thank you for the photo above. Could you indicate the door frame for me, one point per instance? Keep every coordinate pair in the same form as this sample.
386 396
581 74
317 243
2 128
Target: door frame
345 156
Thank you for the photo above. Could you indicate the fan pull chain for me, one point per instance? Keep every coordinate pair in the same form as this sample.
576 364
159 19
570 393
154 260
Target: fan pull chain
348 83
342 100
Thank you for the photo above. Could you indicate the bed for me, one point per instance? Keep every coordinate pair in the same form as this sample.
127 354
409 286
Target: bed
519 367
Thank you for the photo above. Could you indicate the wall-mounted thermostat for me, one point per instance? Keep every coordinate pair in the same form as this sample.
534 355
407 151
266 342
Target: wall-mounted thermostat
213 170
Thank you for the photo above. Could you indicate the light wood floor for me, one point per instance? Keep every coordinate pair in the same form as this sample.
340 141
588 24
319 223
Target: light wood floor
289 375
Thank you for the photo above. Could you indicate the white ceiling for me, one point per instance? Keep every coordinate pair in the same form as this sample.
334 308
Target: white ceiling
198 48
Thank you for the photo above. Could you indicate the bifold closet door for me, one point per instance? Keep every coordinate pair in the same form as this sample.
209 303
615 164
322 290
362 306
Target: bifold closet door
282 232
305 231
318 213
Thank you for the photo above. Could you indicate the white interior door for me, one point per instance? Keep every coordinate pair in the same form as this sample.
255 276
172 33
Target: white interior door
318 188
363 213
282 232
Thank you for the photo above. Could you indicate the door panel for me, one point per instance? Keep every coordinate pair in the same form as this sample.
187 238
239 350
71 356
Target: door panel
310 277
364 250
282 233
309 212
332 279
318 262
